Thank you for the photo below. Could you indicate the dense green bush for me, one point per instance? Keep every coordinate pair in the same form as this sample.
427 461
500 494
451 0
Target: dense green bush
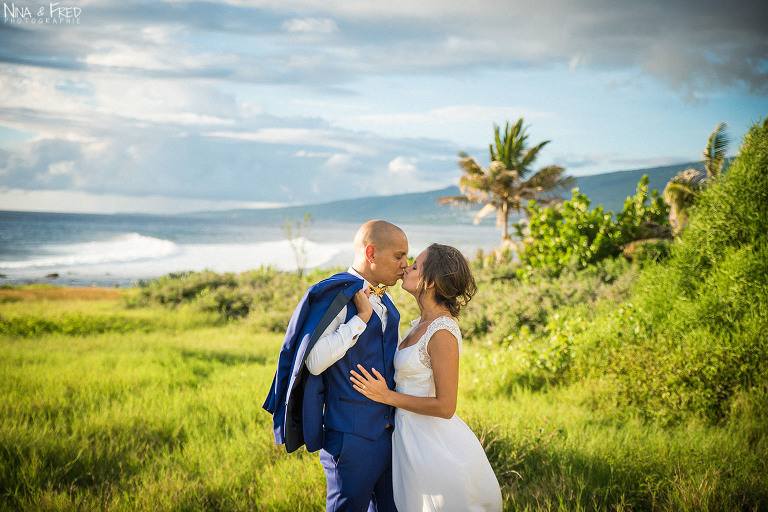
504 304
686 336
567 236
645 252
704 312
571 236
265 296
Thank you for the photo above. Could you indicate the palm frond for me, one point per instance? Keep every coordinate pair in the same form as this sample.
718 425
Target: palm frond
476 188
508 148
453 200
471 167
690 178
551 177
530 155
680 192
507 177
484 211
717 147
475 181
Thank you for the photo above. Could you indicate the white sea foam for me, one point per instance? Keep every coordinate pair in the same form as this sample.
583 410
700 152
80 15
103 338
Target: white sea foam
133 256
124 248
246 256
123 260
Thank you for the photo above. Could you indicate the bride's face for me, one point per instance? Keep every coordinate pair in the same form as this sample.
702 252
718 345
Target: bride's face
412 274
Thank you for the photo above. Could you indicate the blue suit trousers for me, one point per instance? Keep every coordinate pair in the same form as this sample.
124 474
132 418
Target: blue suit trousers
358 472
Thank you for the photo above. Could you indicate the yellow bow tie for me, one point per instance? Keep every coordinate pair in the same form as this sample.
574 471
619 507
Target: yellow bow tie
378 290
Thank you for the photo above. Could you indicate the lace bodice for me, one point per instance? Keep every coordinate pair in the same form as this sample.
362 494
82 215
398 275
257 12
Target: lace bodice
413 366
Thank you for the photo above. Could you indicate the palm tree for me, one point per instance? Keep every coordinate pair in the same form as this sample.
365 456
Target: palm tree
680 194
683 190
509 183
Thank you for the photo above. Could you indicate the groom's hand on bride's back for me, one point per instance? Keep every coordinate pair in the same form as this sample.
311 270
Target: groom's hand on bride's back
363 305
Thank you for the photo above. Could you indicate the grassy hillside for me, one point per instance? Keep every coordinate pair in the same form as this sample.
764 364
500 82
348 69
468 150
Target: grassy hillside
111 401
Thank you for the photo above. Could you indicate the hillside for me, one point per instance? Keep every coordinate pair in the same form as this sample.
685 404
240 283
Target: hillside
609 190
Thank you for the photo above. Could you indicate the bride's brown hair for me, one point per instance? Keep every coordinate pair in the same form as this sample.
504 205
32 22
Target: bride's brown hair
449 270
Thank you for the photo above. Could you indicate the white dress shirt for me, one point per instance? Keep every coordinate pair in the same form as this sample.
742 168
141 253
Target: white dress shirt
339 337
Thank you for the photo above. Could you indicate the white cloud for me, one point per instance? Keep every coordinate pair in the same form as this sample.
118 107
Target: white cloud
402 167
453 114
83 202
338 163
116 55
302 137
458 123
62 167
310 26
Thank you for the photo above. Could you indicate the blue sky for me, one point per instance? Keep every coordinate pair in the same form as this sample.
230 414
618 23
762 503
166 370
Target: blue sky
171 106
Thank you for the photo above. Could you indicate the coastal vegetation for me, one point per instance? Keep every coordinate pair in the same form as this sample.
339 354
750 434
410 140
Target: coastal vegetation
684 188
509 182
571 236
594 382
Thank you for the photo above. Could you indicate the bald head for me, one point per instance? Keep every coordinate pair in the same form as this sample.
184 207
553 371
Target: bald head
378 233
381 251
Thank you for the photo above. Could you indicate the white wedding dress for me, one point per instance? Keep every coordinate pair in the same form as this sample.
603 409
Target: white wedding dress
437 463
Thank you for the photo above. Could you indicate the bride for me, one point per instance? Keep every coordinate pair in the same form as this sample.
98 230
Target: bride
438 463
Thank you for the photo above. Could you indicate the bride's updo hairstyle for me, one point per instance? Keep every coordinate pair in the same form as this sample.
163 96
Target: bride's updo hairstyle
449 270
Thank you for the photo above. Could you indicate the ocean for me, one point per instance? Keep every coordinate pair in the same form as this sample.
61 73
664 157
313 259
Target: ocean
121 250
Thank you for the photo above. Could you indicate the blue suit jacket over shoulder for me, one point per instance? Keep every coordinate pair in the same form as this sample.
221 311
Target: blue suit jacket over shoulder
285 400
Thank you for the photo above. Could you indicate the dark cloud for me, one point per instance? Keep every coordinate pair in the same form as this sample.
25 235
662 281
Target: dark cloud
692 46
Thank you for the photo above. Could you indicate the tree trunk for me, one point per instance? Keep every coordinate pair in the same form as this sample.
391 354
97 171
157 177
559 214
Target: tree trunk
505 221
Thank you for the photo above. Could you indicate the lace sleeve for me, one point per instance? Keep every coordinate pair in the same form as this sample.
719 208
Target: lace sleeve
442 322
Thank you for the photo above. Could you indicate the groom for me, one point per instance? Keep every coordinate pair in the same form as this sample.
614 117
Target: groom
340 322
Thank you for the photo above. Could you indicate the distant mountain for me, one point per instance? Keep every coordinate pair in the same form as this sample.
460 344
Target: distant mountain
412 208
609 190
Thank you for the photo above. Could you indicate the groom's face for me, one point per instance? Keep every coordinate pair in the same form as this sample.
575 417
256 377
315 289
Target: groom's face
390 260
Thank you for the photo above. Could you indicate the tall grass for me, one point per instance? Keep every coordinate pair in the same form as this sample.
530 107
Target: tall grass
170 419
565 450
155 421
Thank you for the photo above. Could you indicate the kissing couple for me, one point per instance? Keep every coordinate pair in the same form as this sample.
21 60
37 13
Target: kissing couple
380 407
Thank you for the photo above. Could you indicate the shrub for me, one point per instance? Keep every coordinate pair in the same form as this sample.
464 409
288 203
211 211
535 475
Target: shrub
705 310
266 296
504 305
571 236
645 252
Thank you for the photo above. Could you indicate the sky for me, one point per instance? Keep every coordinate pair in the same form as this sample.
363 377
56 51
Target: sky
171 106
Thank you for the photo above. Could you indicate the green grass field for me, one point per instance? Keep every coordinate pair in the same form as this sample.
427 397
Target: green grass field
105 407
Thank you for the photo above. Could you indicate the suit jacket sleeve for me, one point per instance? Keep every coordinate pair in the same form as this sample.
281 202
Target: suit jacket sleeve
291 374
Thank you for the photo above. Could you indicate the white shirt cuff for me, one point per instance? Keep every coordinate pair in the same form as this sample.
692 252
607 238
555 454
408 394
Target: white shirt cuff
356 326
